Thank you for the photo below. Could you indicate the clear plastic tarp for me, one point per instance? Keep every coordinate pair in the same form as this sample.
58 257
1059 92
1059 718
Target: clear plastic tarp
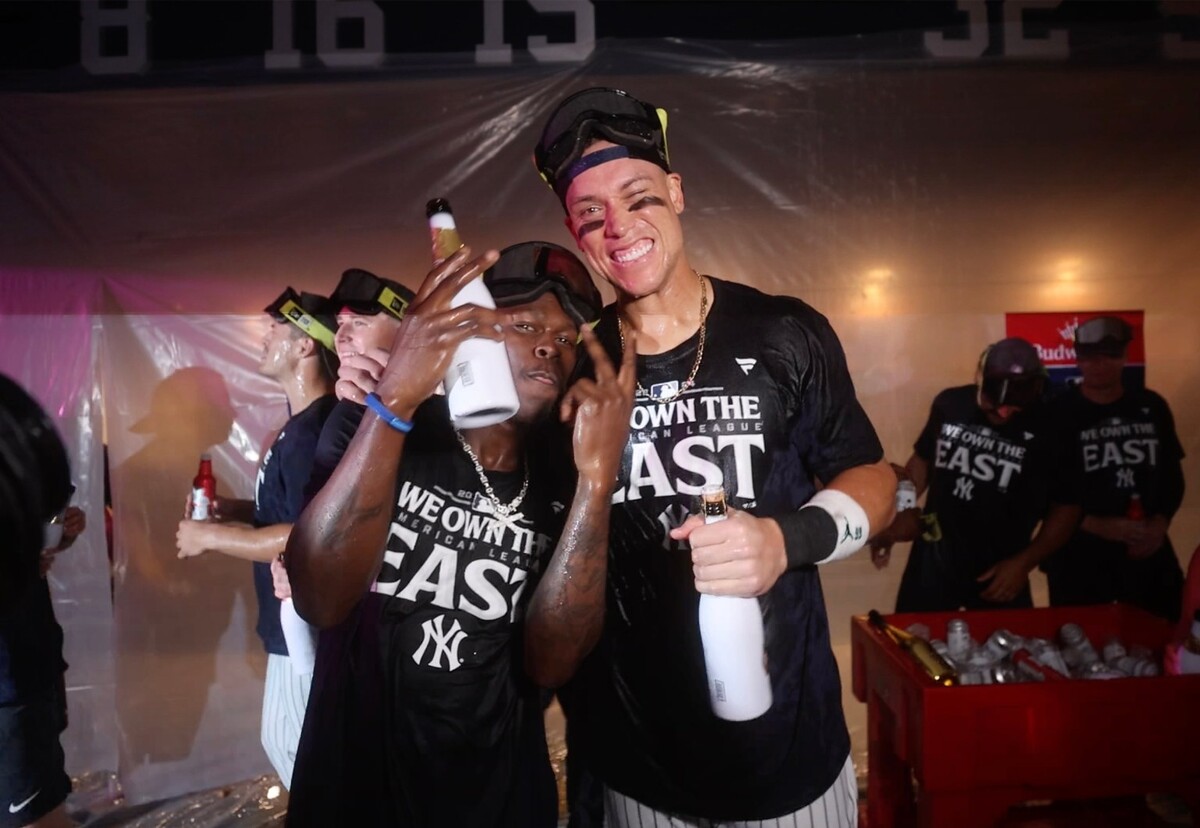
914 203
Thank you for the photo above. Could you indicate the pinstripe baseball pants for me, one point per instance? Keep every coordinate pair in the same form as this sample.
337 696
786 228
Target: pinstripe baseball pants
837 808
284 699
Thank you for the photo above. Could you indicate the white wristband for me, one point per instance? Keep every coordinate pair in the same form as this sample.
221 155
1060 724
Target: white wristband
852 524
906 496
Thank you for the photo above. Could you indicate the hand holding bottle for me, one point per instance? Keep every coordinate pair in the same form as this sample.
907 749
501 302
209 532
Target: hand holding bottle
742 555
479 385
431 331
731 632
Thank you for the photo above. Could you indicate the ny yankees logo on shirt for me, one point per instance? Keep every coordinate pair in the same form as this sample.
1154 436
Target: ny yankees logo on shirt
445 643
448 550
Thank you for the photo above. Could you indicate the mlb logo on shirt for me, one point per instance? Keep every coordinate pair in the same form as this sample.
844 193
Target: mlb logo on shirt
659 390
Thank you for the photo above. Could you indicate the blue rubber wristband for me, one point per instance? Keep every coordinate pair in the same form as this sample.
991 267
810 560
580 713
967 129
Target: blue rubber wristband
399 423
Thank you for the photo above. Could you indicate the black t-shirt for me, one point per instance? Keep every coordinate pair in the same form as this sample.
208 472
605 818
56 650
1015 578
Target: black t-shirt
462 738
1119 449
279 498
31 642
772 409
989 486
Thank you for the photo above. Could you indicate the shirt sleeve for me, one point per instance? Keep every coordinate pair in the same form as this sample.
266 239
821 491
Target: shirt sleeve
335 437
830 426
926 445
1170 483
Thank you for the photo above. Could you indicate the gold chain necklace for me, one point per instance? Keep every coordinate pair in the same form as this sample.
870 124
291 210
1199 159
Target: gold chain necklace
691 378
504 510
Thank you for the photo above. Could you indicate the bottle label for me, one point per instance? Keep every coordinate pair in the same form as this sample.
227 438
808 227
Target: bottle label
200 503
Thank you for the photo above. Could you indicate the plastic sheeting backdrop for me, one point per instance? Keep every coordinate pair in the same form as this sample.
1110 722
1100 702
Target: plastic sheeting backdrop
912 203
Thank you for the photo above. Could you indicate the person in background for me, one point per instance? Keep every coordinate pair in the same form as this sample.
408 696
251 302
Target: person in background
368 313
733 386
297 352
1124 447
429 545
34 486
987 458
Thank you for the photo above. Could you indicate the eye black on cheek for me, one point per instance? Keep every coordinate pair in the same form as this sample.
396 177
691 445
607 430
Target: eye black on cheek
647 201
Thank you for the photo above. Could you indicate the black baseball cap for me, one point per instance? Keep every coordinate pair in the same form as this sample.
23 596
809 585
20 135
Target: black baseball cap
527 270
639 129
1103 336
312 313
364 293
1012 373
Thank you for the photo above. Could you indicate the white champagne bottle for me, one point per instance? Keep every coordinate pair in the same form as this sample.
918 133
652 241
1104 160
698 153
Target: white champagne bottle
300 637
731 630
479 385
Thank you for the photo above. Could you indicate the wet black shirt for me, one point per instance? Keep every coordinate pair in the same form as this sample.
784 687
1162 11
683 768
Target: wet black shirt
989 487
773 409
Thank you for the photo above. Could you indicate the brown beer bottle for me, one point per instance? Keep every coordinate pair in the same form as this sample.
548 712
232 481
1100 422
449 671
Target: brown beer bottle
936 667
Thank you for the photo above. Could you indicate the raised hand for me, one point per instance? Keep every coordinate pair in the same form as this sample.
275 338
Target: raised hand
599 409
358 374
431 331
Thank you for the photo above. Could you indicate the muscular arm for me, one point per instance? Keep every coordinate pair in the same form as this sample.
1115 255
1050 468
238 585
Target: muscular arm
337 543
745 555
238 540
566 614
874 488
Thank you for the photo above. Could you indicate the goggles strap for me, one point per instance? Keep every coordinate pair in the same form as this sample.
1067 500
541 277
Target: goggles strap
302 320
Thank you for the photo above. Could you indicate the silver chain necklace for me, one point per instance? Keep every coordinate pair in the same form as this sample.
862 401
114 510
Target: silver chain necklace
504 510
691 378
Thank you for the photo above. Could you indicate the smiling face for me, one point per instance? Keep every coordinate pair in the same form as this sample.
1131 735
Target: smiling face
540 339
358 333
624 216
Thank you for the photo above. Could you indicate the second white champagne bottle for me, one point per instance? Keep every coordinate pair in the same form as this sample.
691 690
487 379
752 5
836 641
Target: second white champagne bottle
731 631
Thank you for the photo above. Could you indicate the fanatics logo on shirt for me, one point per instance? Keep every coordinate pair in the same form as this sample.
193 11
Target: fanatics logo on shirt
746 364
